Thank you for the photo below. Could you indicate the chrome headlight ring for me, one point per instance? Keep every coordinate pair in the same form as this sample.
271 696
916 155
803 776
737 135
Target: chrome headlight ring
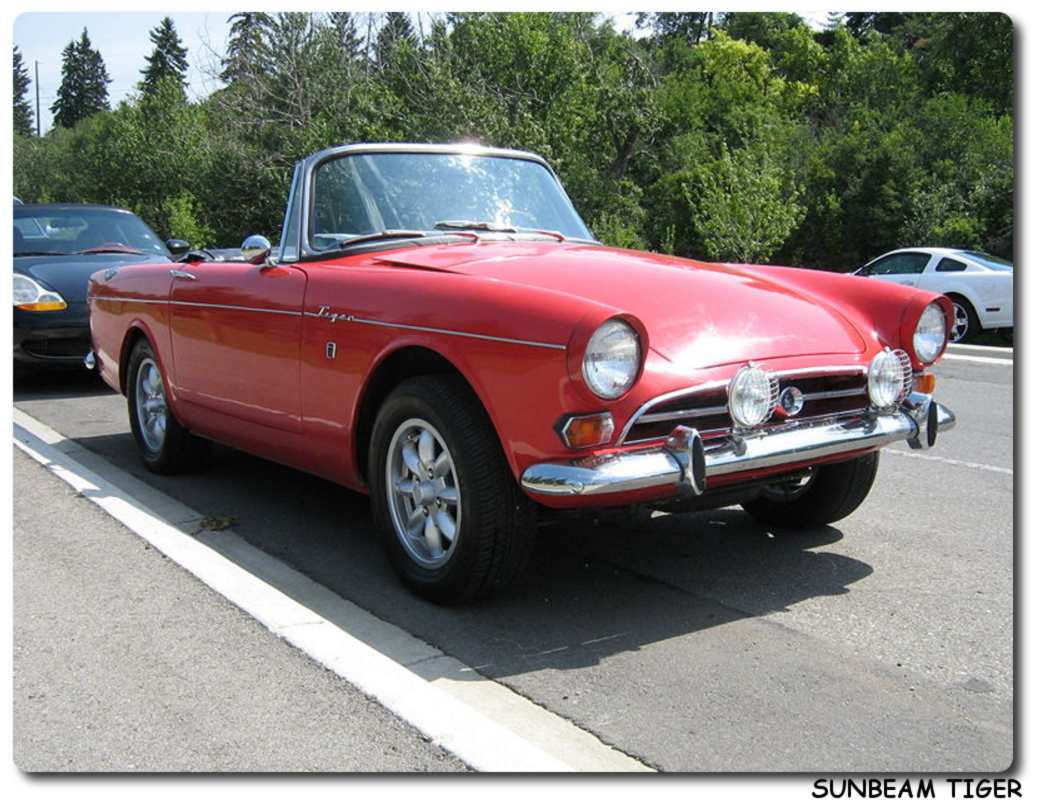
931 334
612 359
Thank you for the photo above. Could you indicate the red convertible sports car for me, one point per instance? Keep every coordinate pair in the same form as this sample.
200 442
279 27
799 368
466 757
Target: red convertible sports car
439 329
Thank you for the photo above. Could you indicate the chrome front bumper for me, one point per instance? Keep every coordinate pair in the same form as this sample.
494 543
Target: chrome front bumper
684 462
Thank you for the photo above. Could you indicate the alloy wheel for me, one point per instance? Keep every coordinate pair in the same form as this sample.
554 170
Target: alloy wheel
150 403
423 493
960 325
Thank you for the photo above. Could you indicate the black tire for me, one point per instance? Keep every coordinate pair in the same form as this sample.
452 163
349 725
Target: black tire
834 492
179 450
496 528
972 323
1006 335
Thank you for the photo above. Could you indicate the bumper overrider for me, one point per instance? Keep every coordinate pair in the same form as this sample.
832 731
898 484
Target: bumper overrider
685 462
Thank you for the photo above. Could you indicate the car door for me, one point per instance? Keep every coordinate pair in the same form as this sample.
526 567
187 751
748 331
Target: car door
235 333
904 267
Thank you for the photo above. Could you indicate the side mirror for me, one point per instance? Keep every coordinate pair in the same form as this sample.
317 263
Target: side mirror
256 249
177 247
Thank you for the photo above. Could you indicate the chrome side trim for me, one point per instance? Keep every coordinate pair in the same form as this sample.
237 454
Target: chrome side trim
148 301
660 467
325 314
235 308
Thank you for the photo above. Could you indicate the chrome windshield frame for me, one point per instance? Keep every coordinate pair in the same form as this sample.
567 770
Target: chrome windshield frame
303 183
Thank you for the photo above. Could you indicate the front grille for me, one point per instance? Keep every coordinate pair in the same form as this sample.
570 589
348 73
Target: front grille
65 347
830 394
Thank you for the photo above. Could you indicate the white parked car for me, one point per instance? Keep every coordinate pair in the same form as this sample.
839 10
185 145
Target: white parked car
980 285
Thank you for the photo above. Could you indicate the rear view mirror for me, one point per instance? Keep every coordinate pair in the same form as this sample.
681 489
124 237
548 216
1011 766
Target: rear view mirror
177 247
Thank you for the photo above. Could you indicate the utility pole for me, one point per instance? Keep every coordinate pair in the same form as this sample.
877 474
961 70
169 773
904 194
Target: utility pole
37 98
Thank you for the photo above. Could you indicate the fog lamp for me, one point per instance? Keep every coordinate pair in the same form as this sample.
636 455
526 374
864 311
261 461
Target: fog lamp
889 378
752 396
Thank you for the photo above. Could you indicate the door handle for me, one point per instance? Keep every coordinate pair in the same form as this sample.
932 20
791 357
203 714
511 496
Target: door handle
180 273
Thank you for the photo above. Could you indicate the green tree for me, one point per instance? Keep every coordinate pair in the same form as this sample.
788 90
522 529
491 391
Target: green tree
168 59
397 30
744 204
23 111
246 54
84 86
690 26
344 27
736 136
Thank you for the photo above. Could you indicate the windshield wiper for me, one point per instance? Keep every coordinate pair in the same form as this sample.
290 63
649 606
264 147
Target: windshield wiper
110 249
41 253
494 227
378 235
473 225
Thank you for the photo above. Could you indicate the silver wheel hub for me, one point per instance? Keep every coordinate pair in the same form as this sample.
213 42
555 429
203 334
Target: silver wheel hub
961 323
150 403
423 493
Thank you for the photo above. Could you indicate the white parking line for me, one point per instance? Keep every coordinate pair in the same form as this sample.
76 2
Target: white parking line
978 359
987 348
484 723
953 461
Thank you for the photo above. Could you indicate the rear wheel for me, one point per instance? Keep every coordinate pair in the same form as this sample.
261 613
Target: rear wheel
455 523
165 445
965 325
828 494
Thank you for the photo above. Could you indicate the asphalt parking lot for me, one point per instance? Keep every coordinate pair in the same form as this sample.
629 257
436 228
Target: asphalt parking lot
703 641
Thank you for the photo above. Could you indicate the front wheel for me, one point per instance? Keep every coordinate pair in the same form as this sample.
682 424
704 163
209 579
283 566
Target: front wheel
455 523
965 326
828 494
165 445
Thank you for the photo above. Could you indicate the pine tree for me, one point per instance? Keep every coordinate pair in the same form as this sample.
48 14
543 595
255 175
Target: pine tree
168 59
23 111
345 33
246 54
397 29
84 87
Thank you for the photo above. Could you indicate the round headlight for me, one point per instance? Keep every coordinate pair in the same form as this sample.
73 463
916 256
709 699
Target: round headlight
889 378
930 334
612 359
751 397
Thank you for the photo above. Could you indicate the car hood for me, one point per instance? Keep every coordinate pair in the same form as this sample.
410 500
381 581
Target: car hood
68 275
696 314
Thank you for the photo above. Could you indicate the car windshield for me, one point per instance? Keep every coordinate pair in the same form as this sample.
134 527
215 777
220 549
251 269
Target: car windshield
368 193
988 261
65 231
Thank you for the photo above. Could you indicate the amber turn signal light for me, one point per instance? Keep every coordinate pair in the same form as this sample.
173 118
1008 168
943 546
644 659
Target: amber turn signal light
47 305
588 430
926 383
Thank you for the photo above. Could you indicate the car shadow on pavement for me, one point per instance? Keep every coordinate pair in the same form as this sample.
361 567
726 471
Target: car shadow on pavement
58 384
592 591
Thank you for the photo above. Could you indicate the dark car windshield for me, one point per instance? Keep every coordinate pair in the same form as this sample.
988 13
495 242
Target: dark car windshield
988 261
366 193
61 231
